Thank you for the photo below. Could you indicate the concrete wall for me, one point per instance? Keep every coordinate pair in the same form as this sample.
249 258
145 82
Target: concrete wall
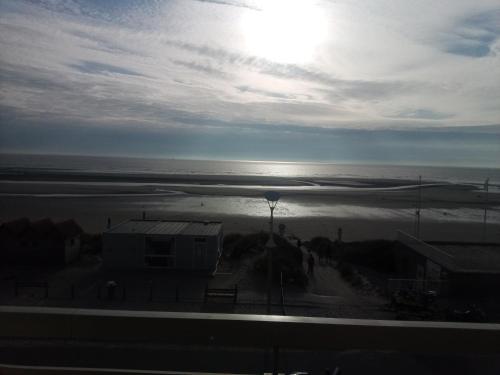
250 331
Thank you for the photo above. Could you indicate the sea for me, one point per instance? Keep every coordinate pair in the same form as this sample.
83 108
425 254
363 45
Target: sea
129 165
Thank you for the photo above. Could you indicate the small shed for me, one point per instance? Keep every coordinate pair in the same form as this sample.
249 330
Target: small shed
163 244
467 268
40 242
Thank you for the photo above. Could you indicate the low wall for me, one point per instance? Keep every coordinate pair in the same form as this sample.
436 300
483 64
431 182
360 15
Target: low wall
251 331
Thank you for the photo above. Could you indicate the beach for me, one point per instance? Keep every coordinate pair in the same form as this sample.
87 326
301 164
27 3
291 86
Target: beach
365 208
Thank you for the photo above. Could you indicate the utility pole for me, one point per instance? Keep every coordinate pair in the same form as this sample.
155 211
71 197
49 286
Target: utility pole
486 189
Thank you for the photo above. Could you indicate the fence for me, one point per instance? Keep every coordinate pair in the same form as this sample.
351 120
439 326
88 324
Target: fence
218 293
114 292
282 299
99 291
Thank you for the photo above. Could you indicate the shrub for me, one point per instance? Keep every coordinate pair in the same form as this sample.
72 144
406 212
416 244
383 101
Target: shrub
319 244
238 245
356 280
91 243
287 259
346 271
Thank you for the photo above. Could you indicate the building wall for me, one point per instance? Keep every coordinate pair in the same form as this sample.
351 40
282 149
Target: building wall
128 251
123 250
408 262
473 284
186 254
72 249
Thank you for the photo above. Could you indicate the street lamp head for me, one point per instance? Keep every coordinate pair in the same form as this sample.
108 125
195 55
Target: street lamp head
272 198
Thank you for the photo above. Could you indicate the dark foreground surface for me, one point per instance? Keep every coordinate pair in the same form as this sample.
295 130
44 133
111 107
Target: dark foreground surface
147 356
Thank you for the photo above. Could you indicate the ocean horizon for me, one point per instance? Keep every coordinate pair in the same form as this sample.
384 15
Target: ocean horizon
58 163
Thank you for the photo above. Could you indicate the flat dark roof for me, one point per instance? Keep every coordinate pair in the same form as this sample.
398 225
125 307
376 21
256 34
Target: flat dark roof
168 227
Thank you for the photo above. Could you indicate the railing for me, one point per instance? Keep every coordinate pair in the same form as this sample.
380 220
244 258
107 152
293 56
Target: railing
10 369
429 251
249 331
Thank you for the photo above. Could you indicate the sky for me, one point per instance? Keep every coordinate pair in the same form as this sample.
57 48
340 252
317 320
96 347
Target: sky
398 82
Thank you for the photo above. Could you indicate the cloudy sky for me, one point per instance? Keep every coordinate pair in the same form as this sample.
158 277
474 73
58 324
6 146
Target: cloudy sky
413 82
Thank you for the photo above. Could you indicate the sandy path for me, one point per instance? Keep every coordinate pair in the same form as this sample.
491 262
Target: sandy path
326 280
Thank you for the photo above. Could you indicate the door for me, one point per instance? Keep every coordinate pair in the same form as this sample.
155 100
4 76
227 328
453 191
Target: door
200 253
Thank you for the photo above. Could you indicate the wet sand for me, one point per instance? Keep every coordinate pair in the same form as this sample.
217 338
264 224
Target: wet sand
364 208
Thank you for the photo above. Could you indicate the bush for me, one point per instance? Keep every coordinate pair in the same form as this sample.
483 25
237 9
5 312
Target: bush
287 259
238 245
91 243
346 271
325 248
356 280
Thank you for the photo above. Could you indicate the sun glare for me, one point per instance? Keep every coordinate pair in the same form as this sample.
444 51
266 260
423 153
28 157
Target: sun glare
285 31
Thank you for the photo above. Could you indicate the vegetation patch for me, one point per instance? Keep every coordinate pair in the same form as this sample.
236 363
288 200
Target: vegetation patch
91 243
238 245
286 260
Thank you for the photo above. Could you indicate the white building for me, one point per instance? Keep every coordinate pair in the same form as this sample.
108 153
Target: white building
163 244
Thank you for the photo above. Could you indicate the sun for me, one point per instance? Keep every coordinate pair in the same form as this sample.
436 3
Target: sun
285 31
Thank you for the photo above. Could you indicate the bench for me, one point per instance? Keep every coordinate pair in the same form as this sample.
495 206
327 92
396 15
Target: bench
222 293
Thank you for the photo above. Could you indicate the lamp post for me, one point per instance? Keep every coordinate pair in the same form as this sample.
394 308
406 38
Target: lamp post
418 208
272 198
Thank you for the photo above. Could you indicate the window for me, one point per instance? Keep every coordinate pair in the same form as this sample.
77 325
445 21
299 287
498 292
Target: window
160 253
160 246
161 262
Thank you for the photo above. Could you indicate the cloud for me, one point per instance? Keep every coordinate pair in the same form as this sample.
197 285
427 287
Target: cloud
271 94
339 88
201 67
422 114
182 66
452 147
239 4
474 35
94 67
